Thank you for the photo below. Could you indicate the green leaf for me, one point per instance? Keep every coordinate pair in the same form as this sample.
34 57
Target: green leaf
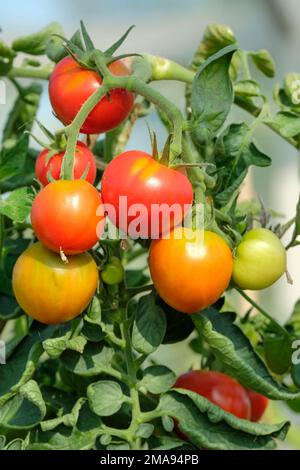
296 231
264 62
158 379
25 409
9 307
21 117
135 278
212 93
145 430
215 37
149 326
12 161
17 205
247 88
286 123
179 326
278 352
168 423
96 358
235 153
294 320
6 52
55 346
35 44
168 443
69 419
236 355
105 397
210 427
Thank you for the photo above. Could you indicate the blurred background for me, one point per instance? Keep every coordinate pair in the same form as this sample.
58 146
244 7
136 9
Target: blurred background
173 28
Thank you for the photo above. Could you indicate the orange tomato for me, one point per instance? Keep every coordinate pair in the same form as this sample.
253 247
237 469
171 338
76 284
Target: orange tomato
190 269
52 291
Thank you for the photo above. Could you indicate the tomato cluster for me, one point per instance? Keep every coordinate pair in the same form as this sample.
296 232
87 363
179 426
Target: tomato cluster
190 267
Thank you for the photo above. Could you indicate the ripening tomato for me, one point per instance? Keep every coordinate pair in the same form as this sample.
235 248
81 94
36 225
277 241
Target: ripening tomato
259 404
70 85
146 197
68 216
190 269
50 290
260 260
84 159
218 388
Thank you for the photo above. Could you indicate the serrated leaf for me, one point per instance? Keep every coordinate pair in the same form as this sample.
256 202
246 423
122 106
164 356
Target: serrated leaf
236 354
158 379
149 327
264 62
25 409
105 397
96 358
212 93
55 346
287 124
35 44
278 352
17 205
12 161
210 427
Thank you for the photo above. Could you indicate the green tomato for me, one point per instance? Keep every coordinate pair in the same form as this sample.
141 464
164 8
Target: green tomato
260 260
113 271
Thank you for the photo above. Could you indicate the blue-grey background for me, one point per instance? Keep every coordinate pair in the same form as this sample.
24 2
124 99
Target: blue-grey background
173 28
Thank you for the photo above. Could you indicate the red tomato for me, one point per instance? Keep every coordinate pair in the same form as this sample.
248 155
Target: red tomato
144 185
218 388
50 290
259 404
83 158
190 269
70 85
64 216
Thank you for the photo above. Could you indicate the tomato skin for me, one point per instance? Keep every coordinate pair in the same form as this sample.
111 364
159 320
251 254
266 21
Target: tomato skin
70 85
259 404
64 216
191 269
83 158
136 175
50 290
260 260
218 388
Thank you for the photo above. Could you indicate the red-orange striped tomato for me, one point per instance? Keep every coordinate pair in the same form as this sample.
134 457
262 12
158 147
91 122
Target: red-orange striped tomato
190 269
50 290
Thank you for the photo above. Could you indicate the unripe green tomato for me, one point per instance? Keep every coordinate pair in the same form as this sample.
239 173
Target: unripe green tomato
113 272
260 260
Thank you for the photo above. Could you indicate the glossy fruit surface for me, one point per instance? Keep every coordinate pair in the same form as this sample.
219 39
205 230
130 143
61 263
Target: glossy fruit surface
68 216
113 271
137 186
218 388
260 260
84 159
52 291
191 269
259 404
70 85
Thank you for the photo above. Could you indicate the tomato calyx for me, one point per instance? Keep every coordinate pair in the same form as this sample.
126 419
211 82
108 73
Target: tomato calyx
81 48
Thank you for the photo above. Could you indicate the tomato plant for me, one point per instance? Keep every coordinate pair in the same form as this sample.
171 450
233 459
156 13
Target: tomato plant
48 165
148 183
84 365
260 260
50 290
205 262
64 216
70 85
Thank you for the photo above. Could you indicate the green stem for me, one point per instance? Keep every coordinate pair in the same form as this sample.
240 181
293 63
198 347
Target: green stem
165 69
42 73
73 131
261 310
